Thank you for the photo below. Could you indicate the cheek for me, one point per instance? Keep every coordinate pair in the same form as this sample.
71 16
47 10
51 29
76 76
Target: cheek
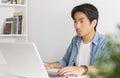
86 28
87 25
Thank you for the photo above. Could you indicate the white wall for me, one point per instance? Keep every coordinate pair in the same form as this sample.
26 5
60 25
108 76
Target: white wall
51 25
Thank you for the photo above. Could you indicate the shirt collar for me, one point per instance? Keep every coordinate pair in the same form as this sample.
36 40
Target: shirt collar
96 38
94 41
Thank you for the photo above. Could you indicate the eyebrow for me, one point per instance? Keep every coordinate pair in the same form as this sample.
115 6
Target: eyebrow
79 19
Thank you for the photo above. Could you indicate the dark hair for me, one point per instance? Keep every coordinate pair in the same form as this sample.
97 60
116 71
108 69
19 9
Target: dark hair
89 10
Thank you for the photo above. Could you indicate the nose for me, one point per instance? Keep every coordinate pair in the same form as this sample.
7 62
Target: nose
77 25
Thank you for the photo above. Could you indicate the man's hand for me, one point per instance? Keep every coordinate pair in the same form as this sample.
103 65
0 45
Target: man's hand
52 65
47 65
71 70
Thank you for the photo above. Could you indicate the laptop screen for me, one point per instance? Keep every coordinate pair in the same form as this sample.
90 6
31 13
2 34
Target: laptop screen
23 60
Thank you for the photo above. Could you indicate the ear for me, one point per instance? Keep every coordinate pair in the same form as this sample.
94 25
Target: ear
94 22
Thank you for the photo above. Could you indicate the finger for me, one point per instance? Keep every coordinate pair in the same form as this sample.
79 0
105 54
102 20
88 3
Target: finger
47 65
72 73
63 71
65 68
68 73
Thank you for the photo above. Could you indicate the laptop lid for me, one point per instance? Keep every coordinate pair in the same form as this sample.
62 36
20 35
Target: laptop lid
23 60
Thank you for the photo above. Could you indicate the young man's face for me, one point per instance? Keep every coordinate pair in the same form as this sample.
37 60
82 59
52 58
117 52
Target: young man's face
82 24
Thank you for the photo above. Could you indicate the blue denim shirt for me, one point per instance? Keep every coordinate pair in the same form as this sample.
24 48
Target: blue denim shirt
98 45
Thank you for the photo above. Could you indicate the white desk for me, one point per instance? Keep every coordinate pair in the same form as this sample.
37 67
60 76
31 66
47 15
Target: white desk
52 73
83 76
4 73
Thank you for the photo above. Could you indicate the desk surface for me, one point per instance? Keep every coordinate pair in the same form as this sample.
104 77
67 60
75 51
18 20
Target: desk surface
82 76
52 73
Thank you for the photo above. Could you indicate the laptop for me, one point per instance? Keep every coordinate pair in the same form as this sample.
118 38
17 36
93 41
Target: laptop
23 60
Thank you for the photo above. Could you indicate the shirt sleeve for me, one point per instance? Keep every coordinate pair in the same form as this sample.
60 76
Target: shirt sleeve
66 58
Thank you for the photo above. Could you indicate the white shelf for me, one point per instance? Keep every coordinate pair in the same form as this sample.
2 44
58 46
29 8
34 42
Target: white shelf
12 35
12 5
7 10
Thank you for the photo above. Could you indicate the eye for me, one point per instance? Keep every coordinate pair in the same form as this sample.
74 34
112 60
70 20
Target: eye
81 21
75 21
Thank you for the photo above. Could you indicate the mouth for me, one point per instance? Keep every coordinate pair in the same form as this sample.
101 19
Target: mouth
78 31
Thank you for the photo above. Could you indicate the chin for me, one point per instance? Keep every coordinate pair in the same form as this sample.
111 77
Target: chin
79 35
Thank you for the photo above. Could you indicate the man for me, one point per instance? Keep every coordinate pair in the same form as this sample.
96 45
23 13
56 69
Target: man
85 47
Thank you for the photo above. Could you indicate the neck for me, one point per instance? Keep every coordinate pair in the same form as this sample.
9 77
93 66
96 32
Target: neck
89 37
